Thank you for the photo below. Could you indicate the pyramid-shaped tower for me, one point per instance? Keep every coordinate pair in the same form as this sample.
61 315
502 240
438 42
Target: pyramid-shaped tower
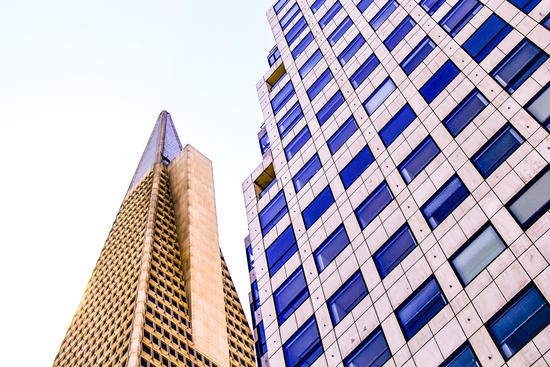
161 293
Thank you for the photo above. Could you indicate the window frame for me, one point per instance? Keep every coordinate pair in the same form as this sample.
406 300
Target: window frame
340 31
341 291
290 251
291 144
505 309
281 213
307 172
302 45
295 336
546 89
342 129
370 197
459 108
414 153
393 40
356 166
540 212
297 299
386 244
327 244
353 46
458 351
315 204
466 244
439 78
523 73
416 51
489 143
437 193
411 297
364 345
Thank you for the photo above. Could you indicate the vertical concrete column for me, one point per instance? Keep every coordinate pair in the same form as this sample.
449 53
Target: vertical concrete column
192 188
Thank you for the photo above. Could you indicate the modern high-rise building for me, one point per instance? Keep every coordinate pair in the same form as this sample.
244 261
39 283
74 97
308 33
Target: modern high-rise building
400 215
161 294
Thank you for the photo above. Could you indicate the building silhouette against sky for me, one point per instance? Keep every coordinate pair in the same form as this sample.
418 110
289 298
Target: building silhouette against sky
400 214
161 293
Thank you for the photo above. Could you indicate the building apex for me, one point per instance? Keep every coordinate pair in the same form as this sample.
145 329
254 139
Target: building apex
163 146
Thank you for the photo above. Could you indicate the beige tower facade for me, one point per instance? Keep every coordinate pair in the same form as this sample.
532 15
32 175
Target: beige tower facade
161 293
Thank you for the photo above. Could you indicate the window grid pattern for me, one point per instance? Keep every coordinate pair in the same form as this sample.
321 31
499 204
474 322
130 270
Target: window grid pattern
461 109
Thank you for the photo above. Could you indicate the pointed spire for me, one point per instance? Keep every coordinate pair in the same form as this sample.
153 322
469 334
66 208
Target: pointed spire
163 146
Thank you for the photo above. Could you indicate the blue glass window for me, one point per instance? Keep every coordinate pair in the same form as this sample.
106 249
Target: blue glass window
290 119
297 143
342 135
532 201
289 16
351 49
463 357
281 250
306 173
330 107
319 84
419 158
373 351
519 321
255 296
444 201
304 347
278 102
486 38
270 215
330 14
363 5
250 258
420 307
539 106
347 297
546 22
478 252
431 6
399 33
417 55
339 31
317 5
518 65
317 207
459 16
273 56
380 94
439 81
373 205
279 6
264 143
465 112
301 47
525 5
296 31
261 344
331 247
290 295
364 71
310 63
356 166
394 250
398 123
497 150
383 14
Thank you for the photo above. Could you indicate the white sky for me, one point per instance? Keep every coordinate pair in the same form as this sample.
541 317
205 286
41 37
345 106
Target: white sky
81 86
